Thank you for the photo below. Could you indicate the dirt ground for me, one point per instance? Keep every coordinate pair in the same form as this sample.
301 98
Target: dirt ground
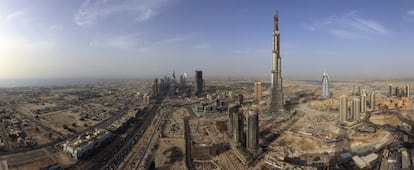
161 159
385 119
37 136
34 165
56 121
63 159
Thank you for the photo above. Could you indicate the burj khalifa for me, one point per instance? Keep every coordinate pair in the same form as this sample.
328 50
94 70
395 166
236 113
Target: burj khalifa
276 102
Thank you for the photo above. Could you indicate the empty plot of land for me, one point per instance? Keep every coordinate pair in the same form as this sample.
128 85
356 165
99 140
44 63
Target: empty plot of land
385 119
59 120
171 154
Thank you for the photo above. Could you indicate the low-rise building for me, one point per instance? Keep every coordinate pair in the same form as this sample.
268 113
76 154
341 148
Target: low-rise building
86 143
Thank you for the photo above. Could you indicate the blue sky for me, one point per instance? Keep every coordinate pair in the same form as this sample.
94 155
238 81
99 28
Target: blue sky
354 39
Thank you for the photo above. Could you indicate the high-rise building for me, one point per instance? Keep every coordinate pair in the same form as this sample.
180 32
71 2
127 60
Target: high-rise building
183 79
325 94
397 92
353 90
372 101
390 90
252 129
258 91
276 103
363 103
232 112
198 82
154 88
343 108
356 108
240 99
407 91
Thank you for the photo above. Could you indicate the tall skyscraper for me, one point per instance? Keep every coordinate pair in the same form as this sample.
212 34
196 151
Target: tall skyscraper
257 91
343 108
154 88
237 127
183 79
372 101
232 110
363 103
325 94
276 103
356 108
353 90
198 82
252 129
407 91
390 90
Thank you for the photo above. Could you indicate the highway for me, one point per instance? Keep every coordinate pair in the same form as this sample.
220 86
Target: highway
147 147
131 140
187 134
108 156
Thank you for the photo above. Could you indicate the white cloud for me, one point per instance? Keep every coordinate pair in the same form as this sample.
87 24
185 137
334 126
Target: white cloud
202 46
134 42
348 34
19 16
123 42
409 16
349 26
136 10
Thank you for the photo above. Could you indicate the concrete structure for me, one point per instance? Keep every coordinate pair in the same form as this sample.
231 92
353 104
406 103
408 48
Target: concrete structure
238 127
325 93
363 103
243 133
343 108
276 103
390 90
252 129
183 79
356 109
199 82
407 91
258 91
232 112
146 99
365 161
154 88
372 101
405 160
203 151
86 143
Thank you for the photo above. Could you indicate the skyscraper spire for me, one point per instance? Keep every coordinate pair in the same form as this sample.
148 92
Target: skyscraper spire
276 21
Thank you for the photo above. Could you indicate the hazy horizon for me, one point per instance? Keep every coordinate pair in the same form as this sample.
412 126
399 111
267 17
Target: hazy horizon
129 39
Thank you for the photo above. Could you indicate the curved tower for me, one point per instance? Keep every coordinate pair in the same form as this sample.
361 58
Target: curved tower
276 103
325 94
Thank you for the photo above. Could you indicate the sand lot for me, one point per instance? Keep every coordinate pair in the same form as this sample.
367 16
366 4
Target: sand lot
57 120
385 119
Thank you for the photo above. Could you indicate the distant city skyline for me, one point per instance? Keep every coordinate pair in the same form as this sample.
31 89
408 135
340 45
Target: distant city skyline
351 40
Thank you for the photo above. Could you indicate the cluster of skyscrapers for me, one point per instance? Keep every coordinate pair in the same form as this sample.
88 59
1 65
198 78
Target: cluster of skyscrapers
243 126
351 112
174 85
399 92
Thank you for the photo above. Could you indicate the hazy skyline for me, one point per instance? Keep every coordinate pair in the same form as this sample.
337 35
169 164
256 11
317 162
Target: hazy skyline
144 38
